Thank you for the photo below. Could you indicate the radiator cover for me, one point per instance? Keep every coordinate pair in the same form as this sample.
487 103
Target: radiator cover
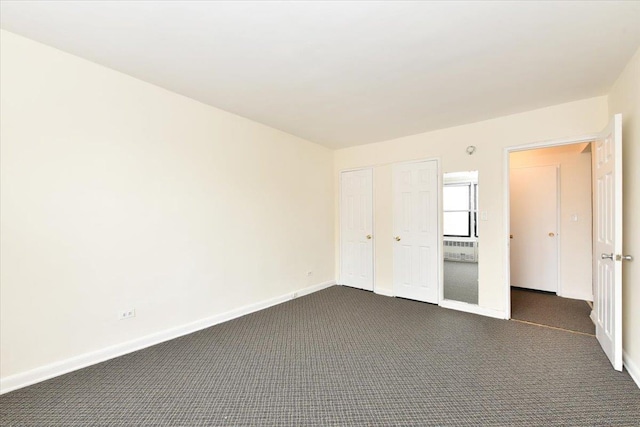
460 251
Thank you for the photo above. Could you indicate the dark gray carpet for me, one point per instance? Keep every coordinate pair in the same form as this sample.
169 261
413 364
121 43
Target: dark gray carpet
551 310
460 280
344 357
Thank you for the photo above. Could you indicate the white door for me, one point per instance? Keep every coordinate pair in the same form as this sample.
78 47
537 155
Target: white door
607 262
356 229
533 192
415 224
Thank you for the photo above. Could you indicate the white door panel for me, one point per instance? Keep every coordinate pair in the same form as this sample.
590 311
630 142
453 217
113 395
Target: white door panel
356 229
534 227
415 217
607 259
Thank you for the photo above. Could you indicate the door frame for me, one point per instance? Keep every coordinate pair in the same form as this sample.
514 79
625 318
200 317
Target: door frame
373 224
507 204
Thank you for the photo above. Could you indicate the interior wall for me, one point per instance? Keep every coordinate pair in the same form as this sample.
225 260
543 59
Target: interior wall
491 137
117 194
575 199
625 98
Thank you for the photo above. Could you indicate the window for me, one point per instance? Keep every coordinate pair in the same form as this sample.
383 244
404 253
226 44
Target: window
460 202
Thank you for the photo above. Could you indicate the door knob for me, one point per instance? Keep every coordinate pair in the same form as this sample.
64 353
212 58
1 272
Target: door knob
607 256
551 234
368 236
397 238
624 257
511 236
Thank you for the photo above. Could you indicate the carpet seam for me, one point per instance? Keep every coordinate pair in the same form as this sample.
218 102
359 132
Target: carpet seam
553 327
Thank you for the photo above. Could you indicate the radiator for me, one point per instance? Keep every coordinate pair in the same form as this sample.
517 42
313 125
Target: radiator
460 251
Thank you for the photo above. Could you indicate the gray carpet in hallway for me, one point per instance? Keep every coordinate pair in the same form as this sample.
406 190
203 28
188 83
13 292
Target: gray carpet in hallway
344 357
551 310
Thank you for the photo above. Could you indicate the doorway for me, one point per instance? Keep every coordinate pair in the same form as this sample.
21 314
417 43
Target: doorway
550 236
606 252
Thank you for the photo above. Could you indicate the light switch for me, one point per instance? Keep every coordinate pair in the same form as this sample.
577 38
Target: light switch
574 217
483 215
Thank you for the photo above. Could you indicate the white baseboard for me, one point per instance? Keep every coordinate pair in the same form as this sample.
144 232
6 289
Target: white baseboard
23 379
583 297
315 288
384 292
631 367
472 308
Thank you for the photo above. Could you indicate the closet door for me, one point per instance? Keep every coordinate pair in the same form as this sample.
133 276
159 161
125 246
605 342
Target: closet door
356 229
415 224
533 192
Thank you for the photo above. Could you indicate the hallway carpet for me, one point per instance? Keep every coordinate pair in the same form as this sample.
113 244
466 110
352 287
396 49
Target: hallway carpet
344 357
548 309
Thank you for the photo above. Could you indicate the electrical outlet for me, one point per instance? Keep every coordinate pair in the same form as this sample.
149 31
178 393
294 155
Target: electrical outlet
127 314
294 295
309 273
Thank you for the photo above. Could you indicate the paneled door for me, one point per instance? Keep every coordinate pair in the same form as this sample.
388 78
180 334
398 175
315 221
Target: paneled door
607 256
415 230
356 229
533 192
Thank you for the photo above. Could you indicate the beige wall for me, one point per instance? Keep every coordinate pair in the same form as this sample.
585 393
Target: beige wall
117 194
490 137
625 98
575 199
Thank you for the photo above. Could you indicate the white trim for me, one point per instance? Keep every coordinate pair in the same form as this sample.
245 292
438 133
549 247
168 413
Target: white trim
426 159
577 295
373 229
339 218
380 164
384 292
507 230
305 291
632 368
554 142
440 211
506 202
559 231
23 379
472 308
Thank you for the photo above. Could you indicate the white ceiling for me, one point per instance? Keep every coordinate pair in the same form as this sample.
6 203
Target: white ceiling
349 73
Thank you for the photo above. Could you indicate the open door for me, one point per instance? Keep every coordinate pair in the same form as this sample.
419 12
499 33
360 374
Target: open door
607 233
